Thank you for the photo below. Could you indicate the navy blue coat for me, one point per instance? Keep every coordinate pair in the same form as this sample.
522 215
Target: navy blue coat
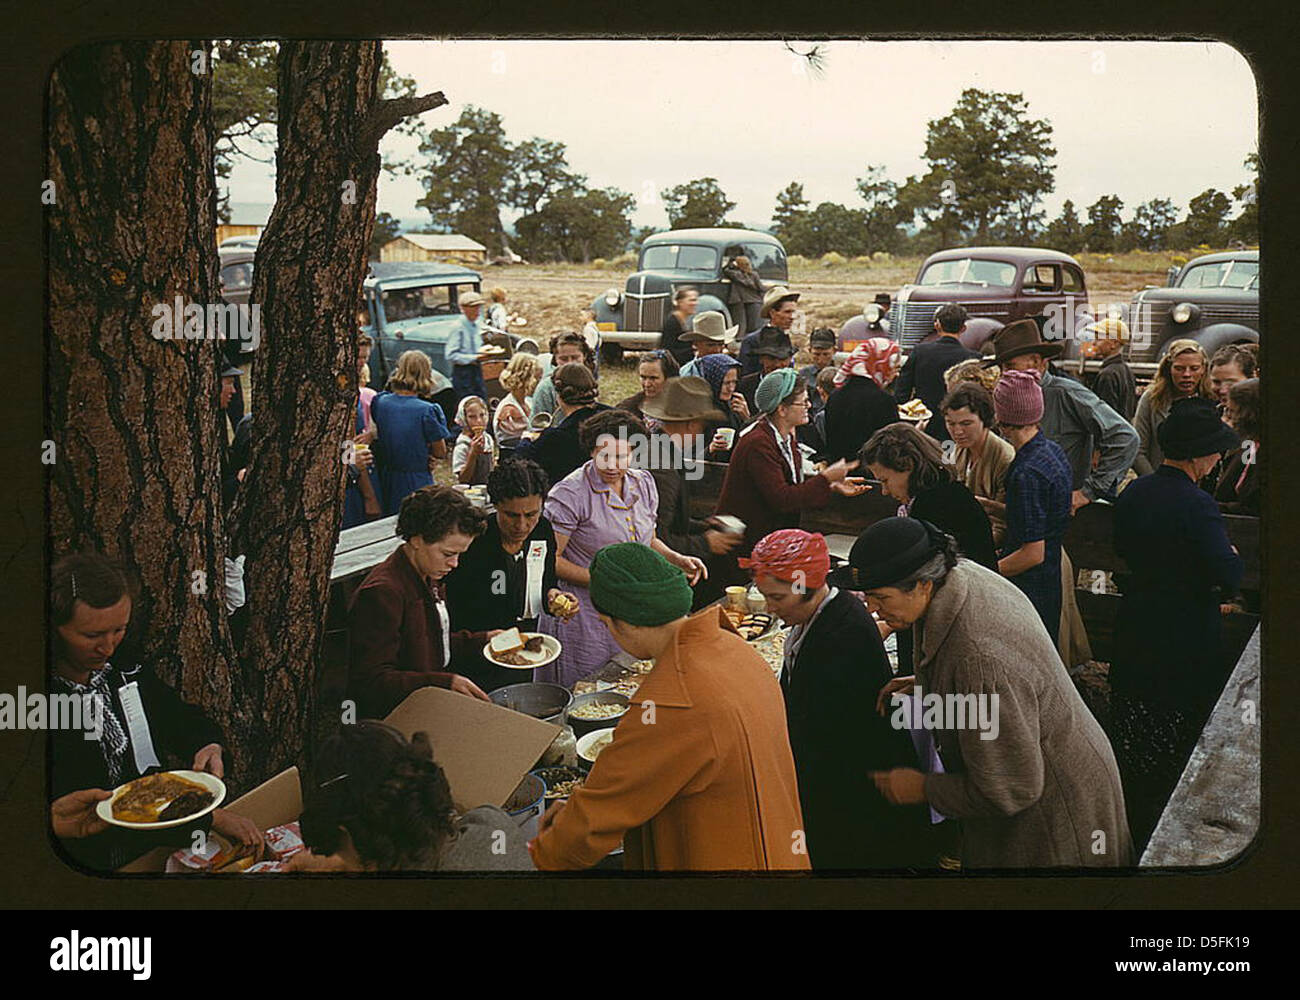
1168 644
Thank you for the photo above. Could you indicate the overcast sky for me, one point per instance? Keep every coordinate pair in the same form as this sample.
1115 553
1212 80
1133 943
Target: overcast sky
1138 119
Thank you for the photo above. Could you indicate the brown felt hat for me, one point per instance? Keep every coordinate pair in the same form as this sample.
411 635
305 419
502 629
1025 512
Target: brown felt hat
1021 337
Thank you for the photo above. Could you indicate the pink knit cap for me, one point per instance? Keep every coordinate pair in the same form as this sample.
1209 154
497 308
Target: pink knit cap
1018 399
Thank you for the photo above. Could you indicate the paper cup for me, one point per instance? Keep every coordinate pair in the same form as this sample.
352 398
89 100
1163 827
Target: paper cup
736 598
727 435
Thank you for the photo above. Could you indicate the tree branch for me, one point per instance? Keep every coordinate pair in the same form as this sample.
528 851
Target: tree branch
387 113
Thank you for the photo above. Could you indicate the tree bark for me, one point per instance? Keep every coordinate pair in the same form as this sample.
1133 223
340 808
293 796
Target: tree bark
134 418
311 261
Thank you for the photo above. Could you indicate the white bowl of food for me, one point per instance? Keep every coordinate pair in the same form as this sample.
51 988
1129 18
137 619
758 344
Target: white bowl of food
517 650
593 744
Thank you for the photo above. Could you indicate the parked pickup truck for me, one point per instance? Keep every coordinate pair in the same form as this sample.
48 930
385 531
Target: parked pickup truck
413 305
633 318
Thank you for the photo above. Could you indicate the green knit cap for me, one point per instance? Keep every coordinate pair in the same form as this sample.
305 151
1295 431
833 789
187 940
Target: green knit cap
773 388
635 584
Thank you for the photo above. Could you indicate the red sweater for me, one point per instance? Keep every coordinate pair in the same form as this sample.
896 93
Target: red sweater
760 489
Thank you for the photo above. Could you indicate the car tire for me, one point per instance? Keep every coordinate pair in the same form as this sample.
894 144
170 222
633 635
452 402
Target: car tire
611 354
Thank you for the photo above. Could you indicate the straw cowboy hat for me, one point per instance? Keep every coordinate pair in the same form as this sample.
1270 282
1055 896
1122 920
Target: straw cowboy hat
686 397
710 325
1110 328
774 295
1020 337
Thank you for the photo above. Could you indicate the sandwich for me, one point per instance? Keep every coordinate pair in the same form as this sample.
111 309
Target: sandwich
509 641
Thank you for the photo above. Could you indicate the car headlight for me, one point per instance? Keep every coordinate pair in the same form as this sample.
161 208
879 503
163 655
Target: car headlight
613 297
871 313
1182 312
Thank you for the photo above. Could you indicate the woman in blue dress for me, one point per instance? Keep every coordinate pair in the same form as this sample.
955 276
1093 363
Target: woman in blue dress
411 433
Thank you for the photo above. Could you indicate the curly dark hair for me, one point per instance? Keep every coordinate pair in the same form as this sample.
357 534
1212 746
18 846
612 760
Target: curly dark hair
434 512
515 478
608 422
905 448
572 337
89 577
970 396
387 793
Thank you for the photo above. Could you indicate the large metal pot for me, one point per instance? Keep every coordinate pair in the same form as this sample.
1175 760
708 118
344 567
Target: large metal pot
547 702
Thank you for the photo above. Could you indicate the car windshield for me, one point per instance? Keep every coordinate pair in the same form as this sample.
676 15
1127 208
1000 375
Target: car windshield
969 271
237 277
1222 274
417 303
677 257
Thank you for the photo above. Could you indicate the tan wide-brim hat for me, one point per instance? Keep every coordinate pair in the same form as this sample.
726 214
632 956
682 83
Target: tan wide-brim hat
1110 328
471 299
710 325
774 295
686 397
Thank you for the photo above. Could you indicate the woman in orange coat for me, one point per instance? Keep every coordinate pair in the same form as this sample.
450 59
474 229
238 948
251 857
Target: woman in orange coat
700 776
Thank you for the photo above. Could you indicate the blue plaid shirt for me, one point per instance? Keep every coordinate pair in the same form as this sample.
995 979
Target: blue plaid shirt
1039 484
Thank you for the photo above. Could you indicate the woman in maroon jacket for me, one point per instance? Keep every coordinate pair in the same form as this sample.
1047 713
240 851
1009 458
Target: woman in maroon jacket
399 630
765 485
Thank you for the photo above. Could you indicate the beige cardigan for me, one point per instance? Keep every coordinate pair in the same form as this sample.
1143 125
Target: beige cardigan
987 477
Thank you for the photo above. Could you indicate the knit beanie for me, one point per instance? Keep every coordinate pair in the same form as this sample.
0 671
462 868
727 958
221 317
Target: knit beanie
774 387
1018 399
634 584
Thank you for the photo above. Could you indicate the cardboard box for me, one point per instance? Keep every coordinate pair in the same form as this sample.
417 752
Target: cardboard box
484 749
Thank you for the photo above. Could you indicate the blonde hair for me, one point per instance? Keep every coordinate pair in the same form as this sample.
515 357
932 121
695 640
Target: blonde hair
413 373
1161 388
522 373
498 294
971 370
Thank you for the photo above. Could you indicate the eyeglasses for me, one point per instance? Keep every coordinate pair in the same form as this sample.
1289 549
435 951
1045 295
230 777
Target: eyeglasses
802 402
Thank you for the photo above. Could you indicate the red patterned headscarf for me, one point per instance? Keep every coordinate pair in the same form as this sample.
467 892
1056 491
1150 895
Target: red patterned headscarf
878 358
791 555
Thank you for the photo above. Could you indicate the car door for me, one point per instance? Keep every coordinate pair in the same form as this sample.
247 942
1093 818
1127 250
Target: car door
1040 288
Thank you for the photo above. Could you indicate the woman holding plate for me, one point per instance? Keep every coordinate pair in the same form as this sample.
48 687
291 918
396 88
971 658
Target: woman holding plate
507 575
139 720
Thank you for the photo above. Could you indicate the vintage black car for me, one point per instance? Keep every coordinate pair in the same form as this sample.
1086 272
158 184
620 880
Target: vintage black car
1213 300
634 317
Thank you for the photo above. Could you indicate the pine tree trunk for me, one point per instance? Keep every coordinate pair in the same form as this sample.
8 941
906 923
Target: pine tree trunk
311 261
135 418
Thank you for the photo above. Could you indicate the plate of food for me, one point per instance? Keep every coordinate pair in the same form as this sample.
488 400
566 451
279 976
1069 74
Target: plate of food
162 800
521 650
591 746
914 409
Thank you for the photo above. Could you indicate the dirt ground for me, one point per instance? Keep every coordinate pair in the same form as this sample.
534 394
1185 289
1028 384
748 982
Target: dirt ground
551 297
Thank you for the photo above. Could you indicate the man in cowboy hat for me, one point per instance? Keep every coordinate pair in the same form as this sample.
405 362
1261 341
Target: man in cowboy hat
773 349
779 308
709 334
1073 416
1114 384
464 349
684 410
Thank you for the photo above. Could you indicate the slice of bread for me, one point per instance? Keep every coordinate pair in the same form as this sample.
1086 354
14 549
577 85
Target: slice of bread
507 642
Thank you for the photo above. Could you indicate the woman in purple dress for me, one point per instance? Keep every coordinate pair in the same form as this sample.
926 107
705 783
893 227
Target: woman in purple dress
602 502
410 432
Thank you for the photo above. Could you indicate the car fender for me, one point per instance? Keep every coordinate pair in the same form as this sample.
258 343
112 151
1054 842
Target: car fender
1215 335
606 314
708 301
979 331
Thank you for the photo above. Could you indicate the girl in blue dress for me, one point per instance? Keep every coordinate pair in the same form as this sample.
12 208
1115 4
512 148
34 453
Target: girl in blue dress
411 433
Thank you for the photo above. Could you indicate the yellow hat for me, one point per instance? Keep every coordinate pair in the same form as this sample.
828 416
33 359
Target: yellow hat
1110 328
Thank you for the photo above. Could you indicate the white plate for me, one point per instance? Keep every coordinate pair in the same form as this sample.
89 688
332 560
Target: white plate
209 781
585 741
550 652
